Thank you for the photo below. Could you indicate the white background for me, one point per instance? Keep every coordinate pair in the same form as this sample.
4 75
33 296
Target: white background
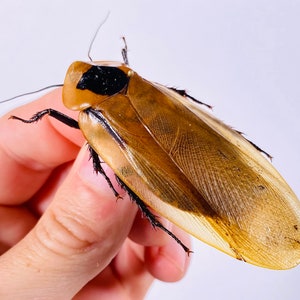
243 57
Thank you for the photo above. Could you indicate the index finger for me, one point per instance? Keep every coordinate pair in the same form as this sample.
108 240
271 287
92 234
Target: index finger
30 152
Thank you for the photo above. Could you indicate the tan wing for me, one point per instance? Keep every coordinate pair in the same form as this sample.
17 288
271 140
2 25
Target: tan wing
198 173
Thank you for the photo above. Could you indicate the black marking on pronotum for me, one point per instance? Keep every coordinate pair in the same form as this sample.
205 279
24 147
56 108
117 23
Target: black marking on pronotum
103 80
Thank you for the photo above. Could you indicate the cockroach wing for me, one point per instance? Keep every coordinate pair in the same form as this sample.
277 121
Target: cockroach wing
197 172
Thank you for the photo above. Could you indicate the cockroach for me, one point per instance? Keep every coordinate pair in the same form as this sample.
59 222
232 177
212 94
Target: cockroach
174 157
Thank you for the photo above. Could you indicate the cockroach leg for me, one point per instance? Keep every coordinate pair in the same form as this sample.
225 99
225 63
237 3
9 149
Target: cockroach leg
185 94
98 169
52 113
150 216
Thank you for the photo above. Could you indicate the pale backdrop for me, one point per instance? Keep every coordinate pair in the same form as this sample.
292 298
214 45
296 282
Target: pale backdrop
240 56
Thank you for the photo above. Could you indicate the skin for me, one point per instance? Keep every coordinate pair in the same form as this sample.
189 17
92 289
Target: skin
63 233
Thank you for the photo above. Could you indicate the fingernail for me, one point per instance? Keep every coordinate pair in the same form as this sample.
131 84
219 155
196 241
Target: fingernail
84 167
85 170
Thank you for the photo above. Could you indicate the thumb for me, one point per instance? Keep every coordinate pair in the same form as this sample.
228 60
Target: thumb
76 238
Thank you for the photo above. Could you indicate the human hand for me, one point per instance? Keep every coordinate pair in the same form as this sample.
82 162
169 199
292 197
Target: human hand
63 233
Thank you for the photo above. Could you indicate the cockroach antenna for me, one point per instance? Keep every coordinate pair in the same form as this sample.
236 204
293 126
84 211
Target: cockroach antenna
95 35
33 92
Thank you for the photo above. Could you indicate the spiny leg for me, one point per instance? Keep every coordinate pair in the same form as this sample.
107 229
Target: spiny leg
254 145
149 215
142 206
72 123
260 149
125 52
185 94
98 169
52 113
